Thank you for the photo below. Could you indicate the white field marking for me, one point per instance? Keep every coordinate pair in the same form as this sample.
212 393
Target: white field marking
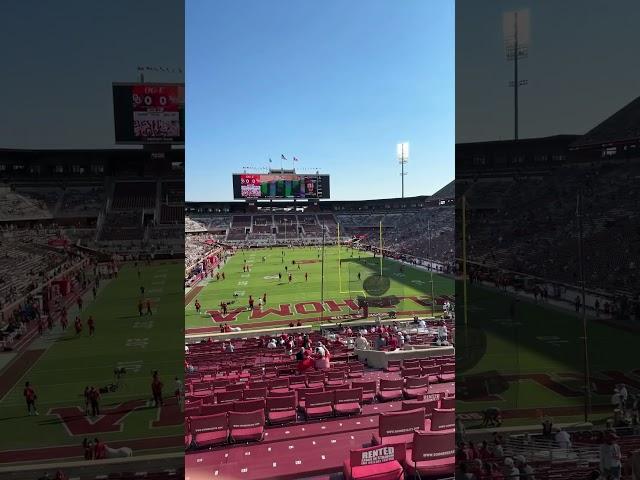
240 293
137 342
143 324
245 275
243 283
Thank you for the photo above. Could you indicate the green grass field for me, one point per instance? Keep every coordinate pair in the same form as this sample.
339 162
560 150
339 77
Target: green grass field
531 358
122 338
341 282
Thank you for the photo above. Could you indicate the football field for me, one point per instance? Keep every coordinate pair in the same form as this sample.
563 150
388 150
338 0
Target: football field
305 298
528 359
60 364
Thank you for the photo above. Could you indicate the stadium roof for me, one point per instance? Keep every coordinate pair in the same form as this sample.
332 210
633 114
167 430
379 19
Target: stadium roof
447 191
621 127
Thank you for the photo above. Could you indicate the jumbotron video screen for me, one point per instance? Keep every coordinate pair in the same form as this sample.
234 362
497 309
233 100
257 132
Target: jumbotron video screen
280 185
147 113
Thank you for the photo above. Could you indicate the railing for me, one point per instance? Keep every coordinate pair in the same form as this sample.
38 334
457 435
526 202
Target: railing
543 450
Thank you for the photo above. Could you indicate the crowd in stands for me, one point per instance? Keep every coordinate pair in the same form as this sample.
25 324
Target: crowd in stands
529 224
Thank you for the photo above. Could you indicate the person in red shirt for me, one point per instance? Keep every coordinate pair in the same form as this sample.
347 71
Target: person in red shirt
94 399
156 389
99 450
30 396
250 302
92 326
393 343
197 306
78 326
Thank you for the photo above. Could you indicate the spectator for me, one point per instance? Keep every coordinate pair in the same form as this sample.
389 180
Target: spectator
563 439
610 457
361 342
526 470
511 471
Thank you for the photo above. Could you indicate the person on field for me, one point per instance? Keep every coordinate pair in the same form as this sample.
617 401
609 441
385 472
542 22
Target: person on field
156 389
30 396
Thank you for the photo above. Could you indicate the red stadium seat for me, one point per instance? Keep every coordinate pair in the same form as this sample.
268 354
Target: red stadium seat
281 409
191 411
447 403
254 393
410 372
302 394
297 381
369 389
315 380
443 419
258 384
432 372
428 405
246 426
413 363
201 389
335 378
415 387
356 370
210 430
432 454
341 386
318 405
390 390
393 366
237 386
398 427
375 463
232 396
248 405
215 408
347 402
279 385
447 372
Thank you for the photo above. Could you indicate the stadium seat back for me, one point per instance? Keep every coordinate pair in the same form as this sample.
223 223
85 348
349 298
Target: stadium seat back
209 423
297 380
257 384
379 462
192 411
443 419
391 384
416 382
282 382
367 387
352 395
333 376
232 396
215 408
400 423
428 405
411 364
411 372
237 386
282 394
433 446
448 368
277 404
248 405
303 392
319 399
242 422
342 386
447 403
254 393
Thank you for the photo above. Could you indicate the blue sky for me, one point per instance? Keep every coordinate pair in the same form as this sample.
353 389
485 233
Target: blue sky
59 64
335 83
581 67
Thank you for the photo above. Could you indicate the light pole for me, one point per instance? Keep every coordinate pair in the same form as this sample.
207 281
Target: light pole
402 151
516 39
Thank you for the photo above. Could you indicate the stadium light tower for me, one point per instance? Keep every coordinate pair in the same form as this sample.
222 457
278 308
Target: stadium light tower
516 42
402 151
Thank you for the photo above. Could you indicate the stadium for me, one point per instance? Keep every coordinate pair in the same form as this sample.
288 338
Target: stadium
92 248
319 333
547 230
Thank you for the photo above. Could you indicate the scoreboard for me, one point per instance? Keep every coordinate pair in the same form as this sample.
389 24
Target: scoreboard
148 113
280 185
